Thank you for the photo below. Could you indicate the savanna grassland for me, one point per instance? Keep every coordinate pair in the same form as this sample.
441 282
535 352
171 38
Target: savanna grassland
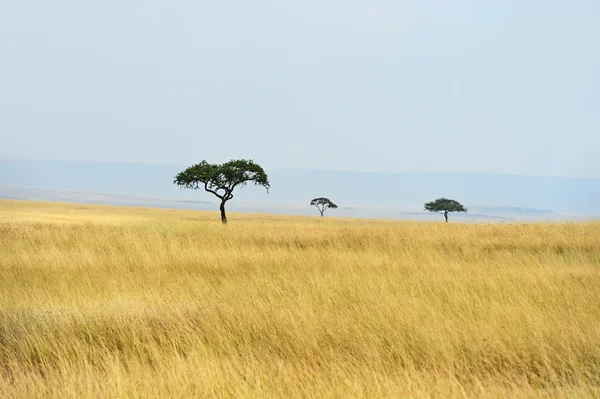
101 301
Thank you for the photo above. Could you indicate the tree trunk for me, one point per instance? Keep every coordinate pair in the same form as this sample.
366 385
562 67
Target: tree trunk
446 216
223 216
322 212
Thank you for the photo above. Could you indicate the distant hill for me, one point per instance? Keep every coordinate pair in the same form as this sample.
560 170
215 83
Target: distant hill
558 194
489 194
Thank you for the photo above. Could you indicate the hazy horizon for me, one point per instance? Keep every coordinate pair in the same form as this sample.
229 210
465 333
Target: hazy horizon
388 86
567 196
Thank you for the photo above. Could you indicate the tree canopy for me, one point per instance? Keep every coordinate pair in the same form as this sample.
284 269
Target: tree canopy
222 179
322 204
445 206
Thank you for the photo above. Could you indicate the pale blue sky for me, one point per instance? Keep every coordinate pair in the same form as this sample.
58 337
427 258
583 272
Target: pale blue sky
377 85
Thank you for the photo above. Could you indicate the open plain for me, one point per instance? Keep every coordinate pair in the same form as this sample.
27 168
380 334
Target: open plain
134 302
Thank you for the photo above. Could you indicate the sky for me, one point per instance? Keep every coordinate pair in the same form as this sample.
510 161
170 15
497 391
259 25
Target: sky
375 85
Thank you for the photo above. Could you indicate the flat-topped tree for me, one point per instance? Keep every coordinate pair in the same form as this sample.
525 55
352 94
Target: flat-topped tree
322 204
222 179
445 206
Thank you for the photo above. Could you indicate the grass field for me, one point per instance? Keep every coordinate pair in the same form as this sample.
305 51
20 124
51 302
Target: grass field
129 302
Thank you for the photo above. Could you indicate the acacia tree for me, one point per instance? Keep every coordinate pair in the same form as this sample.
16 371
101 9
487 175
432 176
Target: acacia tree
445 206
222 179
322 204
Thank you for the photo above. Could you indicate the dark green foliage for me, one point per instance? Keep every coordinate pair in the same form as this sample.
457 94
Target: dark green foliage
222 179
445 206
322 204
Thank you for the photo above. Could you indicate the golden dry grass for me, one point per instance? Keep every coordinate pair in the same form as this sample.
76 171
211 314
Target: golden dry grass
127 302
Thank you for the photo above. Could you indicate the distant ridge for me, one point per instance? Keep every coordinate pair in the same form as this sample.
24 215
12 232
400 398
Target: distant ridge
490 194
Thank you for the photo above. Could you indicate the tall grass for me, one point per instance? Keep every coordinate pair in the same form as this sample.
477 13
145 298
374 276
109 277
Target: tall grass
128 302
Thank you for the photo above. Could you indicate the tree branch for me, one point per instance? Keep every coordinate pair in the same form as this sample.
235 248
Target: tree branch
234 185
211 191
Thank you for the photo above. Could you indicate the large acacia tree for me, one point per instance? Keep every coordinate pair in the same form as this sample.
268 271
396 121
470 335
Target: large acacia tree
222 179
445 206
322 204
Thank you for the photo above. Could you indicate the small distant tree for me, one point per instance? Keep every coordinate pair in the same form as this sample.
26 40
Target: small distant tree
445 206
222 179
322 204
